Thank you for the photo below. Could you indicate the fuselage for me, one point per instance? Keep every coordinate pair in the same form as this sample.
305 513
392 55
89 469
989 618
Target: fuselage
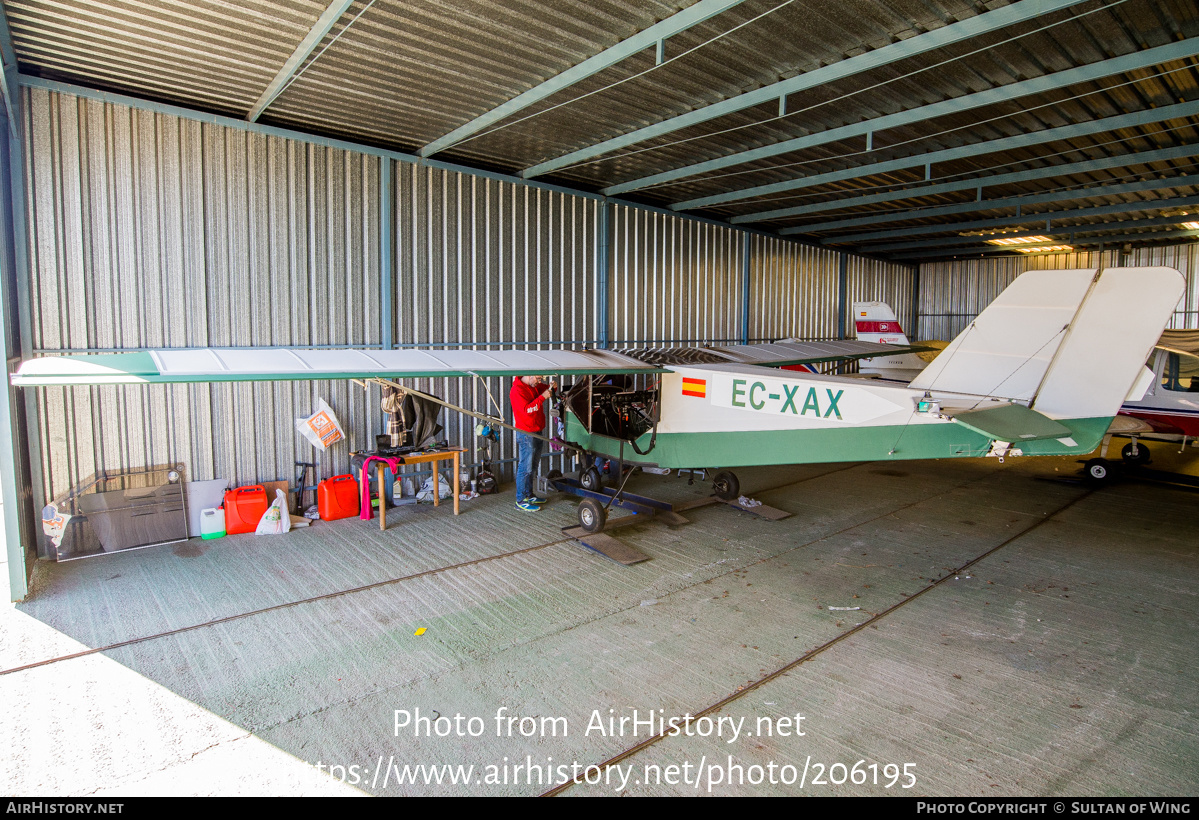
737 415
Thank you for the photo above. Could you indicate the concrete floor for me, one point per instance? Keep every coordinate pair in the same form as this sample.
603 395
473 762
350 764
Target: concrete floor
1061 663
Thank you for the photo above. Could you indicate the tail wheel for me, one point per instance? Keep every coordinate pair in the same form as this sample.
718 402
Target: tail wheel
726 486
1098 471
1135 453
592 515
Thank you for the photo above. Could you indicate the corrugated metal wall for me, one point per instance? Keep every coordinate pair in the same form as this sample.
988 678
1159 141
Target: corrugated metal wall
674 280
484 262
1185 258
794 291
151 230
953 293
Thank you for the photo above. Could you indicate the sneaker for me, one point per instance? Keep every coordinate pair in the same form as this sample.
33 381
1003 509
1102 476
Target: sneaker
527 506
535 500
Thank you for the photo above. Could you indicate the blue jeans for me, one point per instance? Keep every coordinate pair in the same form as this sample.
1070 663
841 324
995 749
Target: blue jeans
528 451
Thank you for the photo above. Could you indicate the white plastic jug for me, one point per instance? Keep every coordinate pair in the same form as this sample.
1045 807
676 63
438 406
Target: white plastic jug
212 522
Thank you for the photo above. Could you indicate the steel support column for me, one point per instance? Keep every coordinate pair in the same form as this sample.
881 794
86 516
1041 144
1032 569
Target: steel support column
385 231
842 293
603 264
746 241
915 303
18 554
21 479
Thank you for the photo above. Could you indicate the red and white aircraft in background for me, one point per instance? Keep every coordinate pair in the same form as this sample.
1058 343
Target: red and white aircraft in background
1169 408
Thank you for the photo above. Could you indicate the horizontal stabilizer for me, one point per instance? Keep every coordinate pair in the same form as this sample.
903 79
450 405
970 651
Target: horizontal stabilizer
1011 423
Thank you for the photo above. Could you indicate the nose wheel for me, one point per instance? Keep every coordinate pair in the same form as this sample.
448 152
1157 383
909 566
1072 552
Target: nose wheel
1135 453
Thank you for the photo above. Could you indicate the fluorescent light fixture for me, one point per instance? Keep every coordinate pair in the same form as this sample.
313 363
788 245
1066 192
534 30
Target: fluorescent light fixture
1193 226
1045 248
1018 240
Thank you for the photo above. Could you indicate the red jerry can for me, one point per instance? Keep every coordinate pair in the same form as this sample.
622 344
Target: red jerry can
337 497
244 508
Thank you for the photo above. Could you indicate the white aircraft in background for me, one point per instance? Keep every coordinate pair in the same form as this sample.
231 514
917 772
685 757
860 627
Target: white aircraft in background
876 322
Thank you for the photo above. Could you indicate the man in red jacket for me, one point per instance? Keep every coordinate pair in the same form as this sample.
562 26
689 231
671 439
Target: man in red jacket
528 397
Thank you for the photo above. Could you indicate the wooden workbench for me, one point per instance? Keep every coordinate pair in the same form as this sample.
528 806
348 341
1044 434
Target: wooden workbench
453 454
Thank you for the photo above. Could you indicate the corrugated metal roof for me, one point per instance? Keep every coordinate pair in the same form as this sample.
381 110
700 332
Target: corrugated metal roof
402 73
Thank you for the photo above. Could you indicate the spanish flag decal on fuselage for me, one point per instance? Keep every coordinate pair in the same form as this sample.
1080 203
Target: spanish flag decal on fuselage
695 387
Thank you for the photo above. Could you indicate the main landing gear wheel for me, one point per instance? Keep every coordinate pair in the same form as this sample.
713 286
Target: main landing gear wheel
1098 471
591 480
726 486
592 515
1141 456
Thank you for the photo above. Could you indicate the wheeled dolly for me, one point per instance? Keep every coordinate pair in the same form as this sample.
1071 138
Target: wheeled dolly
598 499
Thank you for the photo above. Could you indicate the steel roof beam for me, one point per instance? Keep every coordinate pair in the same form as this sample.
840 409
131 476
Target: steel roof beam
992 204
1106 68
1152 115
939 38
654 35
1036 220
978 183
1064 231
317 33
1100 240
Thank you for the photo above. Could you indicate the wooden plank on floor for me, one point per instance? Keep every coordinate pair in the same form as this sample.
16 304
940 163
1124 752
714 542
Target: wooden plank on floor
607 546
762 511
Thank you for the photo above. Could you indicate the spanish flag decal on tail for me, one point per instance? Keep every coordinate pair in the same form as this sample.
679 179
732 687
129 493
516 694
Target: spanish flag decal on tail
695 387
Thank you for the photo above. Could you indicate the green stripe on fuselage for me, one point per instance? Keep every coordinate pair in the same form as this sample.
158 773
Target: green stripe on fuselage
767 447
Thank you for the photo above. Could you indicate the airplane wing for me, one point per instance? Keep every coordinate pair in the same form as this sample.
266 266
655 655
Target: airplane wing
770 354
282 364
198 365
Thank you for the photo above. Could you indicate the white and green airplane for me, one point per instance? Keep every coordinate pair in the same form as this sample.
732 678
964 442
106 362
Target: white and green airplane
1041 371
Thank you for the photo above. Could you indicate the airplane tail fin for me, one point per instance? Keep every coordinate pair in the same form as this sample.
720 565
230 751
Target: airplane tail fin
1067 343
876 322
